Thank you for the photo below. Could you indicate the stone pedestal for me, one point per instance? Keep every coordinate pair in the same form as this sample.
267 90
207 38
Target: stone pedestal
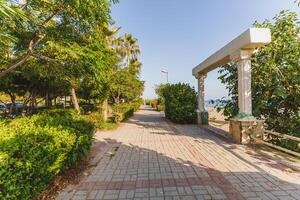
202 118
242 130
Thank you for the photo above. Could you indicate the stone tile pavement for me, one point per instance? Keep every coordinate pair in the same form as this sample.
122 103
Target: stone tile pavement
150 158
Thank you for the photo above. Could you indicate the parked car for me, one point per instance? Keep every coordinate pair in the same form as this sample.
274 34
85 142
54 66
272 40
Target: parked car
19 105
3 109
2 106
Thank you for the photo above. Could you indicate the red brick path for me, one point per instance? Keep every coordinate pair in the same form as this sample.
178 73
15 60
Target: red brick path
149 158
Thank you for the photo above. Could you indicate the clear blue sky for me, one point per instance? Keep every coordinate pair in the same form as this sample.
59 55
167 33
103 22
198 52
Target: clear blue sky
176 35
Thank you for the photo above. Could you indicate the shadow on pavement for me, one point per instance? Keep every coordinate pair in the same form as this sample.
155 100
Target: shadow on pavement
128 171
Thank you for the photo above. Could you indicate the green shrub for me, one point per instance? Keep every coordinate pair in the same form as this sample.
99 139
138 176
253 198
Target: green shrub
96 118
159 90
137 104
148 102
122 112
116 117
88 108
180 103
154 103
161 107
34 150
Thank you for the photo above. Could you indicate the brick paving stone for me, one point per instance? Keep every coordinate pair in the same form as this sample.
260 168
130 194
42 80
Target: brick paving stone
92 194
151 158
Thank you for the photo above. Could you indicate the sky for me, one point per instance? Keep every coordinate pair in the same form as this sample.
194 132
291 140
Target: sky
177 35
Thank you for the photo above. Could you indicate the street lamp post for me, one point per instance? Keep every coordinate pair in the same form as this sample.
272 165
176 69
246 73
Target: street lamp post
167 74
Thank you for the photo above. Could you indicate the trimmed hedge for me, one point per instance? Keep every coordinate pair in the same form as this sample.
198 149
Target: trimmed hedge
34 150
122 112
137 104
180 103
154 103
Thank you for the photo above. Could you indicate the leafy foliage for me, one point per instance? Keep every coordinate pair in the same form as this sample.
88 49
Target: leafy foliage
58 43
160 104
275 77
51 50
33 150
126 110
123 111
180 103
125 83
62 48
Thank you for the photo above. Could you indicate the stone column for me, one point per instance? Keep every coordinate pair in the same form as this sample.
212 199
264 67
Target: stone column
244 83
202 115
201 93
244 125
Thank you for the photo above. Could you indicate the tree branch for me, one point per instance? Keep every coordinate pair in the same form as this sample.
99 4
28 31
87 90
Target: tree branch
25 4
50 17
45 58
48 59
31 46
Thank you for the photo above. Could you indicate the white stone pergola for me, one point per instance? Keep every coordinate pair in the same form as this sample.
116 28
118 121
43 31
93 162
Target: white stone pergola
238 50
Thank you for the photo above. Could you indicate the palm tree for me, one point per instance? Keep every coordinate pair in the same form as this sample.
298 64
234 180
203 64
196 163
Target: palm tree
127 46
111 35
135 66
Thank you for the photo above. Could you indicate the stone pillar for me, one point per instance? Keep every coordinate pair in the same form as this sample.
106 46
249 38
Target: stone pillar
202 115
243 61
201 93
244 125
242 130
244 84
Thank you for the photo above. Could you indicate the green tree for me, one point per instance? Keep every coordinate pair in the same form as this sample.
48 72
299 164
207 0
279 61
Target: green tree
67 48
124 81
60 44
128 48
50 20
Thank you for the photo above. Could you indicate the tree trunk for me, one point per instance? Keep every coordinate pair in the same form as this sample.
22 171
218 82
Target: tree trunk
65 104
12 108
47 99
33 42
105 109
33 102
118 97
74 99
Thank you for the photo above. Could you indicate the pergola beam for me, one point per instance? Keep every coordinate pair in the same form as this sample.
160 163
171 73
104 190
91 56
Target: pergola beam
249 40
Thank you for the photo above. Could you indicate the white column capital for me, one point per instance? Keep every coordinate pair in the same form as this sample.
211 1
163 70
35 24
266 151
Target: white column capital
241 55
201 76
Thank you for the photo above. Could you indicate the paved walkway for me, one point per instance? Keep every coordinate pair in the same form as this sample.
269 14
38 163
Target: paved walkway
149 158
